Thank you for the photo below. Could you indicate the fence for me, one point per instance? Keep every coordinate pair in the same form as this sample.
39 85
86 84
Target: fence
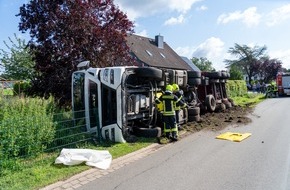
27 138
7 83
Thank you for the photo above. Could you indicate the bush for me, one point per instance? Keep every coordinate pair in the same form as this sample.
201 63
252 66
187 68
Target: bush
21 87
236 88
25 125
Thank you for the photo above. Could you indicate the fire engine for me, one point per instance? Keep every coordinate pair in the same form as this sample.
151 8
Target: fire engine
283 83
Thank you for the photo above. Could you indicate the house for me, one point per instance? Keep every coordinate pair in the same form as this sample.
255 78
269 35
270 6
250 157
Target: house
155 53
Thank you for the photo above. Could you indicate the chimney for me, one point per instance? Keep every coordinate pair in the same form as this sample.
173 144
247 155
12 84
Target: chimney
159 41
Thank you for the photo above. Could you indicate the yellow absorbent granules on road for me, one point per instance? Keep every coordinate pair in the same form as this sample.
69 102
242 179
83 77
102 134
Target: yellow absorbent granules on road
236 137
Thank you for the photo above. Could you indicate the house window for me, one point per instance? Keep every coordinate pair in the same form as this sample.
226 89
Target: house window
149 53
162 55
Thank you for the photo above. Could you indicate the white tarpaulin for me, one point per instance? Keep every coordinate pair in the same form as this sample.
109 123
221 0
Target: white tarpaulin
98 158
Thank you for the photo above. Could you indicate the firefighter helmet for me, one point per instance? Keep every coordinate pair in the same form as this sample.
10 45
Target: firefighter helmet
169 88
175 87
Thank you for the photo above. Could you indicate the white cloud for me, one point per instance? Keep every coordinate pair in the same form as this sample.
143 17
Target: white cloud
212 49
202 8
282 55
181 5
142 33
185 51
145 8
250 17
279 15
174 20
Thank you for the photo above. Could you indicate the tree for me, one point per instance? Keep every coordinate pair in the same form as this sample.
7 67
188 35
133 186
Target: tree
270 68
247 59
203 64
65 32
235 73
18 61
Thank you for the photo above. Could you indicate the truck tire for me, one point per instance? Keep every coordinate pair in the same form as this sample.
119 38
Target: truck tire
194 81
149 72
193 74
211 75
232 101
210 103
147 132
228 104
225 75
193 111
220 107
194 118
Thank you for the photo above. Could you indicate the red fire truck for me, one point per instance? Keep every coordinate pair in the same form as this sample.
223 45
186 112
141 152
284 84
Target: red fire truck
283 83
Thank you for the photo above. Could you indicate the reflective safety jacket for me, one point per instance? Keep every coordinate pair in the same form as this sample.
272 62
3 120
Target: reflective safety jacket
169 100
179 102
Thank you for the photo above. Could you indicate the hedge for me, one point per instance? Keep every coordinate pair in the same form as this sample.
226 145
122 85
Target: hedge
236 88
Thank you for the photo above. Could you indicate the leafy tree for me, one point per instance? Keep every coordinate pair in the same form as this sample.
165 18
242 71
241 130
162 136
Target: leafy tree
65 32
235 73
203 64
247 59
17 61
270 68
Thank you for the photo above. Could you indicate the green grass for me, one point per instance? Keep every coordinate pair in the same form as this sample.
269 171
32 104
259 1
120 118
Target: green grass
6 92
40 172
249 99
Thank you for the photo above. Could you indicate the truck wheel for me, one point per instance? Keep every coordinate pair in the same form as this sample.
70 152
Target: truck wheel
193 74
227 103
220 107
194 118
192 111
225 75
194 81
149 72
232 101
210 103
147 132
215 74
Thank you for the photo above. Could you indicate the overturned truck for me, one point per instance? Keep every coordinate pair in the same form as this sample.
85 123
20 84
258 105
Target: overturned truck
117 102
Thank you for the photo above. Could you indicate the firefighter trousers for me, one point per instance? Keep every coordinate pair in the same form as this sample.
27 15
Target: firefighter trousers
170 127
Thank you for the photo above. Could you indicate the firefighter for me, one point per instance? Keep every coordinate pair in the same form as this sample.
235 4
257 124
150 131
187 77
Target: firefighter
169 99
177 107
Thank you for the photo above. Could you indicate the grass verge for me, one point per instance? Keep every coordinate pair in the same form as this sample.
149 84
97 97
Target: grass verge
250 99
40 172
6 92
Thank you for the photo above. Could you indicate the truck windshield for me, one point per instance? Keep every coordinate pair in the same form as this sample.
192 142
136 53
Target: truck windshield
85 94
78 91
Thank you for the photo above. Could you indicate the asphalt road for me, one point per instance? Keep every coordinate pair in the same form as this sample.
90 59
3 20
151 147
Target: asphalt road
202 162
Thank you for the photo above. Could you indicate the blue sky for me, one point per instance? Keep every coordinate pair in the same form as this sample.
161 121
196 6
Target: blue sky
199 28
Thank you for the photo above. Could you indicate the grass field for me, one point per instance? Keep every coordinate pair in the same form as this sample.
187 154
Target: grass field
6 91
